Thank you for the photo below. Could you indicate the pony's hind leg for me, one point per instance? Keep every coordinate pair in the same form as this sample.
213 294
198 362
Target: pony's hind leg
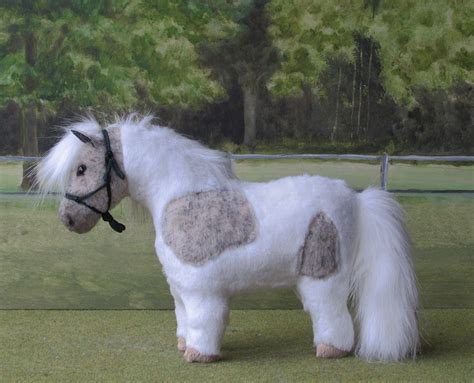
180 313
326 302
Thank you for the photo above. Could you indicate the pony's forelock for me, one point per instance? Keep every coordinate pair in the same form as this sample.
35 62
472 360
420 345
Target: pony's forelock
53 170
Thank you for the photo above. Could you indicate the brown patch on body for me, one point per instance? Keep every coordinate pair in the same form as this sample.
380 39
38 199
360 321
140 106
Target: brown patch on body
200 226
330 352
319 256
192 355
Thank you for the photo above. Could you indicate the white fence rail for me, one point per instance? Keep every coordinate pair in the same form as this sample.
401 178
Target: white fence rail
384 160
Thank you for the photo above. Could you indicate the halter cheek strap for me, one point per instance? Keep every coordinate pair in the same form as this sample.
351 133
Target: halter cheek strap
110 164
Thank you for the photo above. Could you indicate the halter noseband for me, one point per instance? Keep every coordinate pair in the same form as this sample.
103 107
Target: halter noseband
110 164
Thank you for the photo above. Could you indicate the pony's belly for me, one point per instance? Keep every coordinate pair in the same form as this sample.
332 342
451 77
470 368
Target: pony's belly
261 270
245 268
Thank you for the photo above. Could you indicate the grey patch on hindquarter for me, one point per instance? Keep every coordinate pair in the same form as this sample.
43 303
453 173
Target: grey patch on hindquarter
319 256
200 226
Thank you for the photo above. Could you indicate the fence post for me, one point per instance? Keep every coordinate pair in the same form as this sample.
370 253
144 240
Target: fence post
384 171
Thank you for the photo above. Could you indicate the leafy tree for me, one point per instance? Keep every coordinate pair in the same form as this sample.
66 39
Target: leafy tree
96 54
163 40
424 44
217 65
245 60
309 35
421 44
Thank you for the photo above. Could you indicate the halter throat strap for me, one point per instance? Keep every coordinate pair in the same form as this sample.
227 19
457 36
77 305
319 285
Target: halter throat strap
110 164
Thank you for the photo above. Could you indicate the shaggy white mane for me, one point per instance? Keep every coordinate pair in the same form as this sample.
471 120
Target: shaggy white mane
212 165
53 171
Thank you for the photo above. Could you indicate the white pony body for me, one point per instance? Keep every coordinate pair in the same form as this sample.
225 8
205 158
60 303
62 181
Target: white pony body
373 259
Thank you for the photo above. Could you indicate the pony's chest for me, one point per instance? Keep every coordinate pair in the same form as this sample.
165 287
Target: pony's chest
200 226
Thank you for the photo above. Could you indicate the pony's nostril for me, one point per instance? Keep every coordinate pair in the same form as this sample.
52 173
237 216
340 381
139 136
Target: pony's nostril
70 221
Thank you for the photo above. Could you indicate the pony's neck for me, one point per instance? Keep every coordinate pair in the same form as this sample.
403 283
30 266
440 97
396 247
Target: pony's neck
161 165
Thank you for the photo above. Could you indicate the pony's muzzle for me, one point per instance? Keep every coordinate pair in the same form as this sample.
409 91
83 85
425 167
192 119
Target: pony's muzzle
77 218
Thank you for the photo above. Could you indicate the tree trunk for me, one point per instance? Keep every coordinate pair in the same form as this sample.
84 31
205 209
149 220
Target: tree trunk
250 114
360 97
29 123
334 128
353 96
308 112
30 48
367 126
30 144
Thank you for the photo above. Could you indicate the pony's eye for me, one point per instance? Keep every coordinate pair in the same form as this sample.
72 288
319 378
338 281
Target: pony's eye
81 170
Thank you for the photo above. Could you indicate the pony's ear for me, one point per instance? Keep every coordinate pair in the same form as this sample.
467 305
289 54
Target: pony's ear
83 137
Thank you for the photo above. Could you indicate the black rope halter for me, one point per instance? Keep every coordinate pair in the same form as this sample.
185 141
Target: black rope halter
110 164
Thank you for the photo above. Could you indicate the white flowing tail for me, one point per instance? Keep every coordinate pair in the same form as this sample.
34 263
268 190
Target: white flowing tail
383 284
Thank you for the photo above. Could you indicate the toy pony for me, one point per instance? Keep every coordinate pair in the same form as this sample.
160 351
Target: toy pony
217 236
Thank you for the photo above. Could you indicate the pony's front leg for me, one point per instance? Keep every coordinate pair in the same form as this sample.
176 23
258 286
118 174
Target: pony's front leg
206 320
181 321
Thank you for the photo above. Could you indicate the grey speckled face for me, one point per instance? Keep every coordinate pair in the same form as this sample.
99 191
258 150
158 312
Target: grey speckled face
86 176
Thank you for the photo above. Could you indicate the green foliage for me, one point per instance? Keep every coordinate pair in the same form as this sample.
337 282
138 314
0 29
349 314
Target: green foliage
246 56
163 46
365 70
308 34
427 44
108 54
60 64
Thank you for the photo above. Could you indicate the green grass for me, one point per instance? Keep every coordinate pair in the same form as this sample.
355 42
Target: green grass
10 176
259 346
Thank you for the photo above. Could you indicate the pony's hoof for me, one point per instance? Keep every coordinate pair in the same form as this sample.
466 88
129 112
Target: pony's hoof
328 351
192 355
181 344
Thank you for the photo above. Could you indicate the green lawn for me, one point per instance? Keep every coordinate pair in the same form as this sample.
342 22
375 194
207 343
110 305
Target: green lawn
10 176
43 266
259 346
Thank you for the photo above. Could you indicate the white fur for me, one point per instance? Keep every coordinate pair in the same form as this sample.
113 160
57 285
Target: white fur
160 166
